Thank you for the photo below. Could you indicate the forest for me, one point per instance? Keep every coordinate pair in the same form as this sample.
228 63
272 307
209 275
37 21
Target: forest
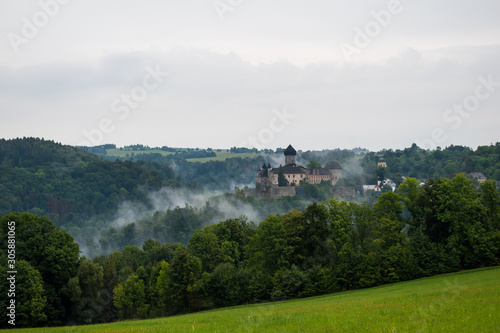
444 226
108 204
102 240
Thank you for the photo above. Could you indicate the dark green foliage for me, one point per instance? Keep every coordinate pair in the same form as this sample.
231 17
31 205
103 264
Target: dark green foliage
381 173
269 248
288 283
418 163
50 252
456 218
313 164
75 189
491 202
130 298
397 264
317 192
316 229
368 272
86 293
446 225
430 257
30 297
184 274
228 285
281 178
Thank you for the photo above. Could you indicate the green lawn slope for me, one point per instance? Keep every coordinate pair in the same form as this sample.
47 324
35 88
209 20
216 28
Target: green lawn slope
124 151
224 156
467 301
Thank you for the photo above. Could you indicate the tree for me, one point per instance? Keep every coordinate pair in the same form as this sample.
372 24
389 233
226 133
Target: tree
397 178
205 245
29 296
456 218
316 233
130 299
162 283
368 272
313 164
294 229
281 178
84 291
50 251
227 285
269 247
411 194
184 274
491 202
339 220
381 173
390 206
234 236
288 283
397 264
361 233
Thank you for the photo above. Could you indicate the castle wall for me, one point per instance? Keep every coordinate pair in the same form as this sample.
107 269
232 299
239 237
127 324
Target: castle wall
316 179
277 192
345 192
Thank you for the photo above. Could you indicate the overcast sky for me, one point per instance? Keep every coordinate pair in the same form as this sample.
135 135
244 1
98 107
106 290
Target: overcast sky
316 74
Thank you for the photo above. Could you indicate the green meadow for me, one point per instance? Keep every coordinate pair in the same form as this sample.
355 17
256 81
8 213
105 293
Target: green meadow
222 156
467 301
124 151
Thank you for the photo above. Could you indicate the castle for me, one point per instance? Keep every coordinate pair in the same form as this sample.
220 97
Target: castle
293 175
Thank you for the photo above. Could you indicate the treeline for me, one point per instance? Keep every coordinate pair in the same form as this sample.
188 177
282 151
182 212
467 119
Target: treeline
444 226
412 162
418 163
159 158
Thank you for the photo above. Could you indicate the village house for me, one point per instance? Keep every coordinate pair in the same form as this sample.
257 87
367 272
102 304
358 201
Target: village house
479 176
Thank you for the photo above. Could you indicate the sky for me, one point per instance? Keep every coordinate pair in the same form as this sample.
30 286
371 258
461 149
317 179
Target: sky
221 73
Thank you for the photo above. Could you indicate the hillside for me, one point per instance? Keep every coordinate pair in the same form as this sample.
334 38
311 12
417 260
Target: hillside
70 185
107 203
468 301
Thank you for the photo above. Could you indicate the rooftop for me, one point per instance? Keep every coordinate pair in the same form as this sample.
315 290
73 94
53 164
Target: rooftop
290 151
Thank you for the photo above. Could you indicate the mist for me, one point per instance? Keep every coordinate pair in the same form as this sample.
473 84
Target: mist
221 205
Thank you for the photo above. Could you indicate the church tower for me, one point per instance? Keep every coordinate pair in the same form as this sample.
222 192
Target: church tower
290 155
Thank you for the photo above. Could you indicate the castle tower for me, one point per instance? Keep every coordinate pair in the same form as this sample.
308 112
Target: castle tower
335 170
290 155
382 163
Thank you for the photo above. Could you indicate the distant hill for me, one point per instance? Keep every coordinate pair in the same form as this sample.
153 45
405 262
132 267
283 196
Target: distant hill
68 184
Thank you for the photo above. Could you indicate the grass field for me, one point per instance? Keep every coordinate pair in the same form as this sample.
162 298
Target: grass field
223 156
468 301
122 153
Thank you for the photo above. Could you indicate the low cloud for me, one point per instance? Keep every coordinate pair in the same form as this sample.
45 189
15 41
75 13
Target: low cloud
223 99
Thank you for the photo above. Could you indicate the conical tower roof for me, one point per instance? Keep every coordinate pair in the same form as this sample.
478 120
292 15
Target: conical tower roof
290 151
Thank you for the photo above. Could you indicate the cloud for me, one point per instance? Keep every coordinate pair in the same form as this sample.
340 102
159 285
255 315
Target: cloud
219 100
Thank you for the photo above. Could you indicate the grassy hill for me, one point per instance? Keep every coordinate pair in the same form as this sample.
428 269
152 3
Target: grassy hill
122 152
222 156
467 301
